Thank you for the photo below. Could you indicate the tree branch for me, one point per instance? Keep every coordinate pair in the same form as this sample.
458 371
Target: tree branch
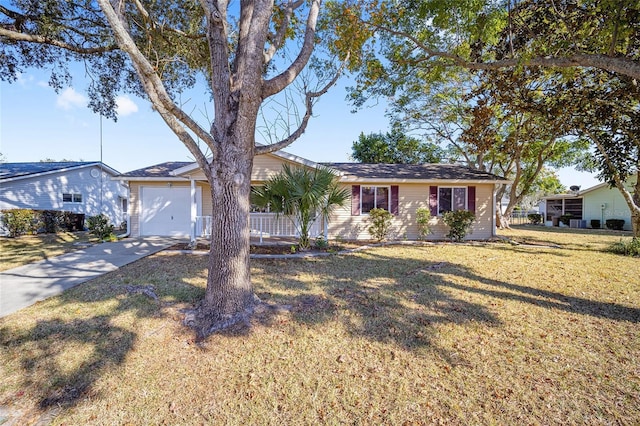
620 65
38 39
169 111
309 97
277 40
278 83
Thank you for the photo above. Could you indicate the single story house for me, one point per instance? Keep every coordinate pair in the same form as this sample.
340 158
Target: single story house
80 187
600 202
174 199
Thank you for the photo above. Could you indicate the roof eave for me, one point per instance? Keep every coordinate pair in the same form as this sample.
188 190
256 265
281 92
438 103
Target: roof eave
352 179
65 169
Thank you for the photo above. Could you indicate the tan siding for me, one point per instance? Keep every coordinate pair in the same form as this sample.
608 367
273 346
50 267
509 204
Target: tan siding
207 204
411 197
264 167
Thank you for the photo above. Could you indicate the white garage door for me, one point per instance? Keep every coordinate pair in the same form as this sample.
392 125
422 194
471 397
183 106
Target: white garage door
166 211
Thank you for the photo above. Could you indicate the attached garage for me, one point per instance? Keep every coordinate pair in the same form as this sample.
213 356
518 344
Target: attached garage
166 211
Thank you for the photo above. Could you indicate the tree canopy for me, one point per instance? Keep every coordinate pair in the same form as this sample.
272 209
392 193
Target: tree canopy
394 147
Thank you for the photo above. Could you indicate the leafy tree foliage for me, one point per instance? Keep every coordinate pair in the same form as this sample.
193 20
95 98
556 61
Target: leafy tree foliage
303 194
394 148
420 40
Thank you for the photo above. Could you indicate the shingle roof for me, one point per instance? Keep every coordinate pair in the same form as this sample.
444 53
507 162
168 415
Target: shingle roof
412 171
157 170
14 170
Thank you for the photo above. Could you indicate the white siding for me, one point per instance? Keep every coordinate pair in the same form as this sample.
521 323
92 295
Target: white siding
99 194
615 207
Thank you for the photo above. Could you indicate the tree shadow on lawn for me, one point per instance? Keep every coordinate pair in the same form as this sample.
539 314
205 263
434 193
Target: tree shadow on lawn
402 301
80 335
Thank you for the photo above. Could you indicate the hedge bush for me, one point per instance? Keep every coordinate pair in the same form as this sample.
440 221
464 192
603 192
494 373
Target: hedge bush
20 221
535 218
626 248
380 223
423 216
615 224
459 223
100 227
566 219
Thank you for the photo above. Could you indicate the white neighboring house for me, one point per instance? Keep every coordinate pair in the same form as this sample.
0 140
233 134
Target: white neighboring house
78 187
600 202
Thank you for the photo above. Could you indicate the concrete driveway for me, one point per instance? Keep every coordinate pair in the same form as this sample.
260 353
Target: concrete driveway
23 286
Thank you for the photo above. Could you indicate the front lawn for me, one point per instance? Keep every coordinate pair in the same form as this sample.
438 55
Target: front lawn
26 249
435 334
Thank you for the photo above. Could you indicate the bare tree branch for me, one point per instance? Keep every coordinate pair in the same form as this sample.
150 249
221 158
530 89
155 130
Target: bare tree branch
278 83
309 97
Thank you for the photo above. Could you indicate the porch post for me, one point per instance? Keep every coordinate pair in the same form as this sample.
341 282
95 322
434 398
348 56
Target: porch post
193 209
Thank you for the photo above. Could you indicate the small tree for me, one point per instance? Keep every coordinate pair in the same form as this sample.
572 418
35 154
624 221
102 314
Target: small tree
459 223
380 223
304 194
423 217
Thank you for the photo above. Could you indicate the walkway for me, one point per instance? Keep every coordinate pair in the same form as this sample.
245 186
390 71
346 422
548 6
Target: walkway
23 286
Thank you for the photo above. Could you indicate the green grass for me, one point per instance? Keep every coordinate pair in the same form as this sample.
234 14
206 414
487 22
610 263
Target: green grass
435 333
26 249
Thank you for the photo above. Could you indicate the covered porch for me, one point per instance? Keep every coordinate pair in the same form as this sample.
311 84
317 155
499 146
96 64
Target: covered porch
262 226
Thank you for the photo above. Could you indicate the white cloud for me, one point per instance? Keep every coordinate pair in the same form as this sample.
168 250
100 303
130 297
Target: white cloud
69 99
125 106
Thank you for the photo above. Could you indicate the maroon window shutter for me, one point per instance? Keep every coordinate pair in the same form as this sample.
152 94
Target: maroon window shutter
433 200
355 200
471 199
395 200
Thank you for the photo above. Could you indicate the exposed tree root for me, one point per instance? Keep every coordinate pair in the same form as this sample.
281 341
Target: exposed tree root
205 326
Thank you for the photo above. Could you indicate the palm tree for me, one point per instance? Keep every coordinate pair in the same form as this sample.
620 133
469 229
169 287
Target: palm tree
303 194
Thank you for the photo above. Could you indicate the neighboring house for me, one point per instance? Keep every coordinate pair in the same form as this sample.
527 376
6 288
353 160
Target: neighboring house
600 202
174 199
78 187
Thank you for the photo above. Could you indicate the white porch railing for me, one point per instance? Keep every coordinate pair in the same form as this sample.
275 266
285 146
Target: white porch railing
262 225
203 226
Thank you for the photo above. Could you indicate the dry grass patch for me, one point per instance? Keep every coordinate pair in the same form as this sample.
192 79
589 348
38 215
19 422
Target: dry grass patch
446 333
26 249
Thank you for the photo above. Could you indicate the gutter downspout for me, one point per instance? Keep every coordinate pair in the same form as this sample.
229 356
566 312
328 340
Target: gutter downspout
494 230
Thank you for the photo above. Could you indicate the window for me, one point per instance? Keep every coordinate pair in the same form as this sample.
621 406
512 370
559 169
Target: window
71 198
452 199
374 197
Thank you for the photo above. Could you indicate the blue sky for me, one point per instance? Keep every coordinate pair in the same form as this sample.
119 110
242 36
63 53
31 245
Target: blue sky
37 123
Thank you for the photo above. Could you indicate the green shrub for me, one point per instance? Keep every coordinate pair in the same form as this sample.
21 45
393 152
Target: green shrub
321 243
380 224
566 219
459 223
100 227
615 224
423 216
626 248
20 221
535 218
50 221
